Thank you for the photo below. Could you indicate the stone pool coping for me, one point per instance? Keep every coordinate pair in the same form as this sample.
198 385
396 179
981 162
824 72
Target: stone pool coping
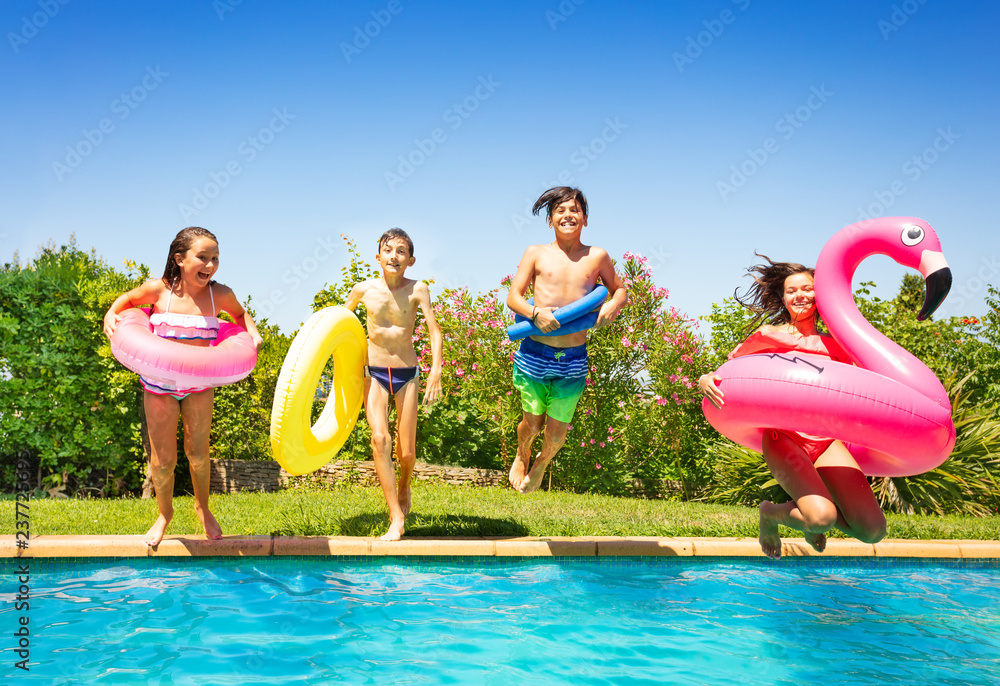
529 546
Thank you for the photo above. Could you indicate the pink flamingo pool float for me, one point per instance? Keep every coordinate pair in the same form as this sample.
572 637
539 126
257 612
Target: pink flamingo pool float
890 410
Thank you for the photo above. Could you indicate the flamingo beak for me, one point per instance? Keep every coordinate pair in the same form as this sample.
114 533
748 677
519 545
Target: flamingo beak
937 284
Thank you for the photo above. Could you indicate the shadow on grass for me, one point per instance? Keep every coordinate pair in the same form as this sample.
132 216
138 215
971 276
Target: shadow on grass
302 522
417 524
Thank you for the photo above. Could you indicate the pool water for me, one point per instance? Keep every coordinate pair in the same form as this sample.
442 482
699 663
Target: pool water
507 621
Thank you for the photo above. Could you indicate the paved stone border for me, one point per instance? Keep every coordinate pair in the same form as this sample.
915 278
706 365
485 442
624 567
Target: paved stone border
592 546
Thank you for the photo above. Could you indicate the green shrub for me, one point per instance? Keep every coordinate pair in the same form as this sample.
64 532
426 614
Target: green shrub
63 398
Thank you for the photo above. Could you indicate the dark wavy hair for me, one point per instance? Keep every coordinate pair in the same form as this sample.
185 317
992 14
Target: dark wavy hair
396 233
182 242
554 197
765 297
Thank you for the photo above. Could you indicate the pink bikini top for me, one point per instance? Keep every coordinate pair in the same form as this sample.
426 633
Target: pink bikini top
185 326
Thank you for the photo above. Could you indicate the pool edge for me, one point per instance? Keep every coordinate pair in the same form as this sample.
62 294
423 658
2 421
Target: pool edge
526 546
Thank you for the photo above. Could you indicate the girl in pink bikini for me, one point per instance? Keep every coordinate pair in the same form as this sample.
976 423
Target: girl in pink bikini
186 303
827 487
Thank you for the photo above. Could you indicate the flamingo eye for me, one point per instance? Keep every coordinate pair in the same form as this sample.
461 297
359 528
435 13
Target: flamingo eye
912 235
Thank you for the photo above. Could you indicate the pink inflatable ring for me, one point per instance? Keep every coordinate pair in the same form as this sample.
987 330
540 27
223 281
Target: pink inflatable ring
890 410
231 357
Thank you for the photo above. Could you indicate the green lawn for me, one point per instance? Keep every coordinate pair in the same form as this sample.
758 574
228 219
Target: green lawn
441 510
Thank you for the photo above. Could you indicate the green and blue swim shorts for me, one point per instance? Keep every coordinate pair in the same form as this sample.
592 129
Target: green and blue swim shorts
551 380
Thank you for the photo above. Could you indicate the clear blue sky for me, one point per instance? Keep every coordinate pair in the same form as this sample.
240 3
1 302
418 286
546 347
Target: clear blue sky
646 106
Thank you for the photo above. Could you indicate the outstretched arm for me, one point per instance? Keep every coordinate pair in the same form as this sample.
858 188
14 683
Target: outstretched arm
145 294
619 296
432 391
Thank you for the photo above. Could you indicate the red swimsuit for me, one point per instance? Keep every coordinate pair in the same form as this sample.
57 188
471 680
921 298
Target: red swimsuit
781 342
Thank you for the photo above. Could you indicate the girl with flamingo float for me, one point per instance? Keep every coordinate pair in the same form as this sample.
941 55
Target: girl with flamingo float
787 382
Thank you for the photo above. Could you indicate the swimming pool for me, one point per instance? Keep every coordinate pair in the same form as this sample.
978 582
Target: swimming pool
504 621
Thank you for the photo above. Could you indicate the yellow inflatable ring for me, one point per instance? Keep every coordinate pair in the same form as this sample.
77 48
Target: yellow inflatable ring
297 446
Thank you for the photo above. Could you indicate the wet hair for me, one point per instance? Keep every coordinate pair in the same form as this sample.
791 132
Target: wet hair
182 242
554 197
394 233
765 298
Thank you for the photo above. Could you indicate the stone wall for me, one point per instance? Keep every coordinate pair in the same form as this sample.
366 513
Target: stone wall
231 476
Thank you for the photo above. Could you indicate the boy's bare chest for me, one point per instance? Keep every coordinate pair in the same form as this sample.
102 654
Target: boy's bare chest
392 306
559 268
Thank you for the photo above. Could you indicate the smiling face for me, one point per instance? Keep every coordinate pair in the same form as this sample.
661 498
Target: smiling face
394 256
799 298
568 218
200 262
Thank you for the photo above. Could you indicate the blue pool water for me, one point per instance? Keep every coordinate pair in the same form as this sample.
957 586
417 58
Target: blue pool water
495 621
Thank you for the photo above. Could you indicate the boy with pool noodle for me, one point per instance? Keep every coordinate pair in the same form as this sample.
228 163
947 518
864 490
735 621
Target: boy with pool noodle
551 371
392 368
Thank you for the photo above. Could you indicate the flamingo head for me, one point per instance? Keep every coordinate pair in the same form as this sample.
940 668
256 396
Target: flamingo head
912 243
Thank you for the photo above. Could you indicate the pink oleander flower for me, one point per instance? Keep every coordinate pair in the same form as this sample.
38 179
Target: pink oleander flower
661 401
591 441
602 444
611 429
621 404
628 256
626 342
687 358
673 378
597 465
628 417
459 372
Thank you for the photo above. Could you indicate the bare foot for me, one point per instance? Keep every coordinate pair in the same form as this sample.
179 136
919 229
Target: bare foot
405 497
395 532
518 470
534 478
212 529
770 541
155 533
817 541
